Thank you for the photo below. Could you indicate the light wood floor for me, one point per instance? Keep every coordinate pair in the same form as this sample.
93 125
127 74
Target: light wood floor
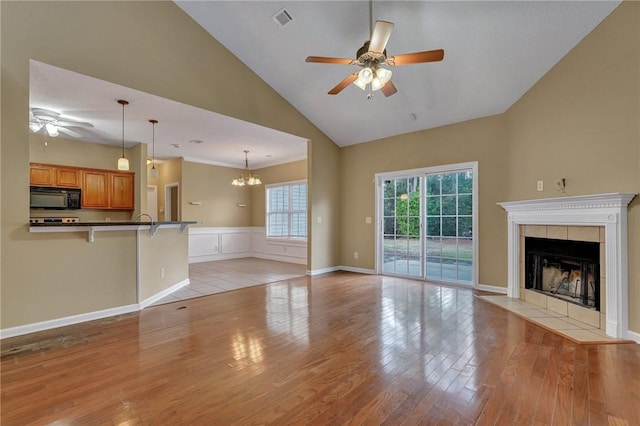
207 278
340 348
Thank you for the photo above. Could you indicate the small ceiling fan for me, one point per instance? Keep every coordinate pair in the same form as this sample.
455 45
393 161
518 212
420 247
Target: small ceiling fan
52 123
371 56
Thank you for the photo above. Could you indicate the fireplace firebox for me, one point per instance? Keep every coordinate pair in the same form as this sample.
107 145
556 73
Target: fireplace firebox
565 269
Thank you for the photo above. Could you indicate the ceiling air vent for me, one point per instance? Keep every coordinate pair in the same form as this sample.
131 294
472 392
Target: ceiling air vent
282 18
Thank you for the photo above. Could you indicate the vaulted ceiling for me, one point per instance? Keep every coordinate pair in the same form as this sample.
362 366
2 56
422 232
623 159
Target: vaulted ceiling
494 53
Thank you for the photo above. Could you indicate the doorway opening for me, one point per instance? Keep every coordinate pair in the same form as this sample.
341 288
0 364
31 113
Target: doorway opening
172 202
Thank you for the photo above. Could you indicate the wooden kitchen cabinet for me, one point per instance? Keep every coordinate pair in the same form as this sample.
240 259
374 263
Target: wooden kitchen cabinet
42 175
107 190
51 175
101 189
121 191
95 186
68 177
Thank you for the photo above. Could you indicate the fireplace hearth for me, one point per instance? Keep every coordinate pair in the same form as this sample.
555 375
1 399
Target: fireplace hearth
567 270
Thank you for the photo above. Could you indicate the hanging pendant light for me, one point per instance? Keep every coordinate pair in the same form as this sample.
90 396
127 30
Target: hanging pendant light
153 173
123 163
250 179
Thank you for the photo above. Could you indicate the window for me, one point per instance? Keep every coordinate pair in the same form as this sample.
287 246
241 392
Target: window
287 210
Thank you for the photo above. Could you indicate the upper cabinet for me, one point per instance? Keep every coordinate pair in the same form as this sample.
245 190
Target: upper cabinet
51 175
101 189
42 175
121 191
68 177
95 189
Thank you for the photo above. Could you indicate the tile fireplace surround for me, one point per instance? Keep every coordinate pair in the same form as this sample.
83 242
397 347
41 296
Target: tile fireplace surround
607 210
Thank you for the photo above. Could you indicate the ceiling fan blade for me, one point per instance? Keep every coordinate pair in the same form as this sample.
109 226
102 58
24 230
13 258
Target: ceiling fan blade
344 83
74 123
380 37
69 132
417 57
389 89
324 60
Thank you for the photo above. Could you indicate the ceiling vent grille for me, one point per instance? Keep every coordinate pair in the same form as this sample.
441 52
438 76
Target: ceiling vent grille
282 18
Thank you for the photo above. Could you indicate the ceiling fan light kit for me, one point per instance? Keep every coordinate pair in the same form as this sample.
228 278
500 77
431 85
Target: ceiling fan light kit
250 179
371 56
51 123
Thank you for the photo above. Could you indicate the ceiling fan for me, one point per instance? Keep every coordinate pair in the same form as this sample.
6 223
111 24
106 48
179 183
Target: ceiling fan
52 123
371 56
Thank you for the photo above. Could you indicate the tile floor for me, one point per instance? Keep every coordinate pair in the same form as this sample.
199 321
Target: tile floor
225 275
570 328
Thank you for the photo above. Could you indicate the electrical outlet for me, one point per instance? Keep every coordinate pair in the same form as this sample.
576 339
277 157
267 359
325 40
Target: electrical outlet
355 254
319 219
161 272
367 220
540 185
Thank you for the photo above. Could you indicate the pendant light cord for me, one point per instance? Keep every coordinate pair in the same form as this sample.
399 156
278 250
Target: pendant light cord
123 129
153 146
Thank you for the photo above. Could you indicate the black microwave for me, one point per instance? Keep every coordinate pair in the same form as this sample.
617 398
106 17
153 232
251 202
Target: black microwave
55 198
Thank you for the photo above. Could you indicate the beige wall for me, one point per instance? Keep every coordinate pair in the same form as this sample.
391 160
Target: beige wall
157 255
288 172
483 140
211 186
581 121
149 56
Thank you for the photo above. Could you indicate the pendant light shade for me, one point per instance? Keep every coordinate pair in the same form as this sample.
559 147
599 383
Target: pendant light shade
123 163
250 179
153 173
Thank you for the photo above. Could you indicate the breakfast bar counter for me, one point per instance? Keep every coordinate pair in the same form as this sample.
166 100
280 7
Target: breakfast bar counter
93 227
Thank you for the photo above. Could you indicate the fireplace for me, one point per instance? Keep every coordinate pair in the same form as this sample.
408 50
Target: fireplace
605 211
564 269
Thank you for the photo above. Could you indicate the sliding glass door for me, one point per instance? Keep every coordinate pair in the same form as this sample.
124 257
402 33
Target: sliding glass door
427 221
449 226
401 246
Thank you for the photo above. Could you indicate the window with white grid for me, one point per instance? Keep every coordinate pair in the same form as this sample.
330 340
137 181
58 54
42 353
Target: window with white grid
287 210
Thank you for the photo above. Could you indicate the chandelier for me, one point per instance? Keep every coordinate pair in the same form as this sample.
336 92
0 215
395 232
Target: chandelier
249 179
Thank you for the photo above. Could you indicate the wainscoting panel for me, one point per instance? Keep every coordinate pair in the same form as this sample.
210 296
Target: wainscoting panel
207 244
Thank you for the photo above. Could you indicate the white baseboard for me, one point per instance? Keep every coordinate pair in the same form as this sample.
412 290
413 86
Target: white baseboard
323 270
357 270
89 316
164 293
70 320
492 288
214 257
298 260
633 336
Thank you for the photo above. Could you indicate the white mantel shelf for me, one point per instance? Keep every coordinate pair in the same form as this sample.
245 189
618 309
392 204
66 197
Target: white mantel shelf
608 210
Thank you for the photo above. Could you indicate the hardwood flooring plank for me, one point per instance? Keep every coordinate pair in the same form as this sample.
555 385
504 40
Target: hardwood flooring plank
339 348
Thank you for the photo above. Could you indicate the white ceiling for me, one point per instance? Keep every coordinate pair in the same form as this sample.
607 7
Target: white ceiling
494 52
78 97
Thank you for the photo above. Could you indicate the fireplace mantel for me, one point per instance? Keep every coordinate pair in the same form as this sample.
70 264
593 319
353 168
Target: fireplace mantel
608 210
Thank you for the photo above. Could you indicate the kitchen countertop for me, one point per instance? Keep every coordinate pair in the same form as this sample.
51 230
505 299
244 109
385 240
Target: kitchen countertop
112 223
92 227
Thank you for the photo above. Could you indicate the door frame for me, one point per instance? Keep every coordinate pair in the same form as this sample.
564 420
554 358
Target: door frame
379 212
167 200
